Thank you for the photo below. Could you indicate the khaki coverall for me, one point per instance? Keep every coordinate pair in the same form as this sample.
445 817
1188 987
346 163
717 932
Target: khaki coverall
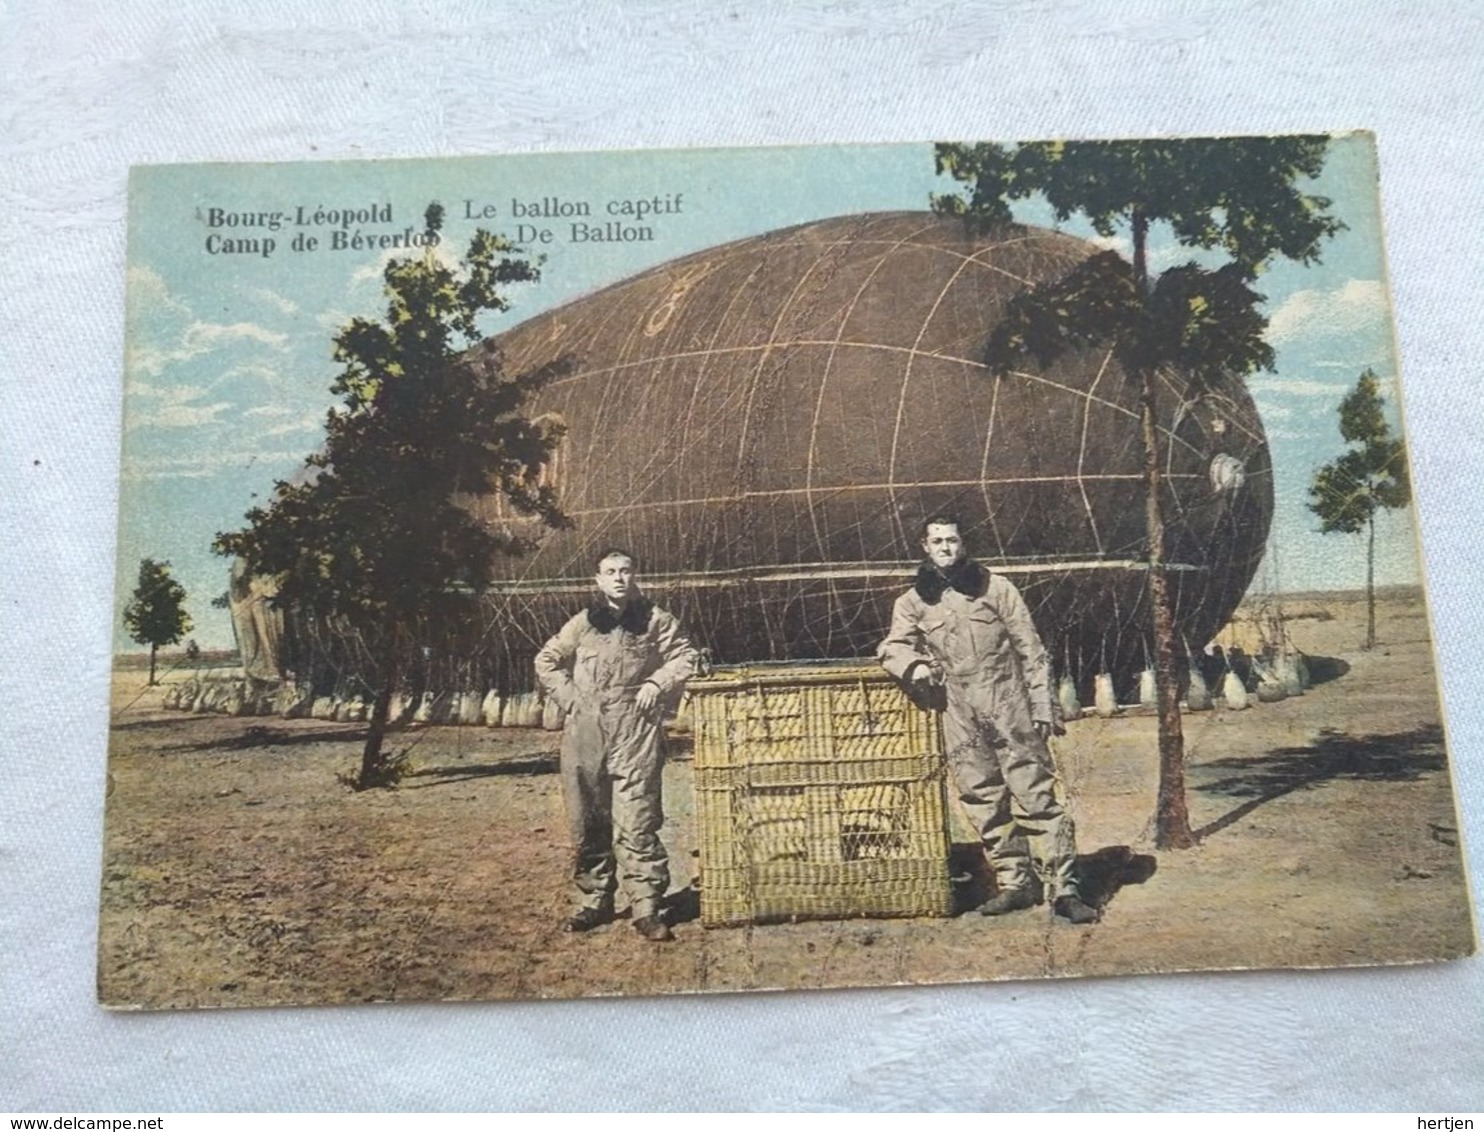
997 681
610 755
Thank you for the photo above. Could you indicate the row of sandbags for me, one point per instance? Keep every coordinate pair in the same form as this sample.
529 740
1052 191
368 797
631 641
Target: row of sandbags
226 697
1276 678
471 709
239 697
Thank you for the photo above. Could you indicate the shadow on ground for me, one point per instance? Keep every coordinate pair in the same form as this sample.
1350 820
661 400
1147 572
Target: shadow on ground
261 736
684 905
543 763
1213 668
1100 874
146 724
1323 669
1103 873
1404 757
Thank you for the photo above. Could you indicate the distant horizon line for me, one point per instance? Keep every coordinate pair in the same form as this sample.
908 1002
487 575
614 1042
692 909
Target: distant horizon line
1390 590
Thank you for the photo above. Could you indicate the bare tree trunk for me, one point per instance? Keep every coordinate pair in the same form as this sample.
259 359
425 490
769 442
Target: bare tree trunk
373 769
152 649
1171 816
1370 582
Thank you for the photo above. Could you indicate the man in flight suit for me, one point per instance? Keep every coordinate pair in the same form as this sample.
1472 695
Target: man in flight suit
967 631
612 669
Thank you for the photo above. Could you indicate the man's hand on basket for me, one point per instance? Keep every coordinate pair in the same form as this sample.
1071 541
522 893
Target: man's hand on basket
1046 729
926 674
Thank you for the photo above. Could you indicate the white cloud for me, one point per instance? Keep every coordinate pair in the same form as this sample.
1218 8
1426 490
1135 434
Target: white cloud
1162 255
1289 434
271 298
176 393
167 394
374 271
332 320
285 420
196 339
254 372
171 406
165 405
1119 244
1357 309
148 293
209 463
147 359
1266 388
173 415
1166 256
164 331
1297 387
314 424
203 336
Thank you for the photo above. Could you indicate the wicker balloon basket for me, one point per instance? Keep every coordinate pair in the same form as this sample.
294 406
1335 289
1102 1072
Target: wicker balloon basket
819 794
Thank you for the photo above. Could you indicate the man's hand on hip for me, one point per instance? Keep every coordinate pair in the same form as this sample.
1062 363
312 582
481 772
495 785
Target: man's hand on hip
647 697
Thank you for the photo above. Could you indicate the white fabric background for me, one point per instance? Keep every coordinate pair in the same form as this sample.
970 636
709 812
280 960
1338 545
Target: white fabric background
87 89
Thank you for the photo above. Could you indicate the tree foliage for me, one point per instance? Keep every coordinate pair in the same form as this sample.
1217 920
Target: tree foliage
155 615
1204 324
1241 197
1238 195
1234 195
371 536
1369 476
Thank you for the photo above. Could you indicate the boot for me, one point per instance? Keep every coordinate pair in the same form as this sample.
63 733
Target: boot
1008 900
653 929
1072 909
586 919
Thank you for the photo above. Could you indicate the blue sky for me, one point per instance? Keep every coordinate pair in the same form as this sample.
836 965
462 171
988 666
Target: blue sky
228 367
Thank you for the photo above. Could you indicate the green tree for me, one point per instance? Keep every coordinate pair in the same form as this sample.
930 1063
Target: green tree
1369 475
156 613
1201 326
371 537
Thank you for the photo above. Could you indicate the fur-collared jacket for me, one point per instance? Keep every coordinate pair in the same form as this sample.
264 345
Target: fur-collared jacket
602 656
973 626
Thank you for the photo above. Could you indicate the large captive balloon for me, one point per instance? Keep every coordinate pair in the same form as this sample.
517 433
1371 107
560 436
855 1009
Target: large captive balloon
766 423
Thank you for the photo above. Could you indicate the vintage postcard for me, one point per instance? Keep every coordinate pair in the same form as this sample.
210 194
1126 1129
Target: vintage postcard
630 573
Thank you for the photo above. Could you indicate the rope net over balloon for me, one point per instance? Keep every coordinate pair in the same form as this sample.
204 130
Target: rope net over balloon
765 424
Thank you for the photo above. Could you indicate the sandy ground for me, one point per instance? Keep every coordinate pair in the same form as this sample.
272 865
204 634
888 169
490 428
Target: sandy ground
238 872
